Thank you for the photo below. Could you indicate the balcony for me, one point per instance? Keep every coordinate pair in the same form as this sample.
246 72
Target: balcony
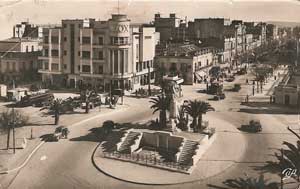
97 45
97 60
47 71
43 57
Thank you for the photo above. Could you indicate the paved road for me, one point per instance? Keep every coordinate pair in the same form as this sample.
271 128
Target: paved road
67 163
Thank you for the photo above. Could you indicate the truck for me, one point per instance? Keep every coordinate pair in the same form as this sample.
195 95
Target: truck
37 100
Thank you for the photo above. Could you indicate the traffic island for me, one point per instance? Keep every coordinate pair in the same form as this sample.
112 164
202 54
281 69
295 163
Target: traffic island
150 169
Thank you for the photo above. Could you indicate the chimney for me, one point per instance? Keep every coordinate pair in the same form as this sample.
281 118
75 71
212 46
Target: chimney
157 15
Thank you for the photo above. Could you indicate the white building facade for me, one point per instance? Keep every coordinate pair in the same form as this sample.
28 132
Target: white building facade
101 54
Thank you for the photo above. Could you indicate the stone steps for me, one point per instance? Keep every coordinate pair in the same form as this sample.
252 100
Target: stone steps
128 142
188 151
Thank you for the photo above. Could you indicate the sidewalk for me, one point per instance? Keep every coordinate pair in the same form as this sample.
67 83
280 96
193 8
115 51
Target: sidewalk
40 125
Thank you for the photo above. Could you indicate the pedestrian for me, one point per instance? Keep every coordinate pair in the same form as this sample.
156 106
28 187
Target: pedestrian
271 99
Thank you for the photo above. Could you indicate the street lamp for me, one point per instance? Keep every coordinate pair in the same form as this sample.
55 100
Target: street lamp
149 80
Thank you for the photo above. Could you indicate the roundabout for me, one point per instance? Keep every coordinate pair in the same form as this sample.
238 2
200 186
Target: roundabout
219 157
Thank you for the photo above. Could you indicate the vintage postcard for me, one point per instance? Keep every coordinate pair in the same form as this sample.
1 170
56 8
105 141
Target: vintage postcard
130 94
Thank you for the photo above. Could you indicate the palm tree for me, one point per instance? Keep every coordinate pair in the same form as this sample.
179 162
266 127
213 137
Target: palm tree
196 109
11 118
57 107
161 104
250 183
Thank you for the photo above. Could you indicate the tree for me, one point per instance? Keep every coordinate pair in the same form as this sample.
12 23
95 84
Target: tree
286 158
57 107
291 156
196 109
161 104
10 119
86 97
250 183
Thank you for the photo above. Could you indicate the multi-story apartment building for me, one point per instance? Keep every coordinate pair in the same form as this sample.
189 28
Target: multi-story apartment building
188 61
98 53
18 56
258 30
171 28
272 32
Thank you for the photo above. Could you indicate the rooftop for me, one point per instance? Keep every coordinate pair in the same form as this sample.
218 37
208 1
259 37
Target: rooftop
187 50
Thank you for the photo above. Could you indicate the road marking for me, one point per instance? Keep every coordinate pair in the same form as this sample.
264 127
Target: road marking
43 158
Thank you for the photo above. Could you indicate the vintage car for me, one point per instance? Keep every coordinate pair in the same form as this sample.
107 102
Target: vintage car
253 126
60 132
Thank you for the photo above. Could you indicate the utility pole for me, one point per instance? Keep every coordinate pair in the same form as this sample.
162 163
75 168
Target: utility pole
281 174
13 124
149 80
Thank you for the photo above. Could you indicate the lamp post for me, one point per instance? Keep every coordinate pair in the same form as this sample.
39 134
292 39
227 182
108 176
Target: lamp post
149 80
13 125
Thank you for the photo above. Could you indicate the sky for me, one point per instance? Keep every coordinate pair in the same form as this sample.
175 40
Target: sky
52 11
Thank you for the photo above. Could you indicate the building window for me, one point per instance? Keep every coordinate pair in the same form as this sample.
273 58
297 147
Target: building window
14 66
79 39
148 37
54 67
40 65
32 48
119 40
78 53
65 52
101 69
79 25
65 38
65 25
54 53
101 55
26 48
65 66
54 39
116 61
137 67
7 67
46 39
86 40
137 51
100 40
86 54
46 52
46 65
78 68
86 68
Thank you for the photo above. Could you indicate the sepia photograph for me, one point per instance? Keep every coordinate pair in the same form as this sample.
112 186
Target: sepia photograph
149 94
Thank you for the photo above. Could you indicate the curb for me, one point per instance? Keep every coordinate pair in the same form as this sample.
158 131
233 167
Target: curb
162 184
26 161
42 142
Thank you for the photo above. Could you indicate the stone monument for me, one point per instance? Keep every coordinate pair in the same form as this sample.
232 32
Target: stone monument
172 92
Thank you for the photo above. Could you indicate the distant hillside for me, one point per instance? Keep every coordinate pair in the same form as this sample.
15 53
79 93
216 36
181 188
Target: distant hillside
284 24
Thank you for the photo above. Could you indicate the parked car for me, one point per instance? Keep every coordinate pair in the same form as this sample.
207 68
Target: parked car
230 79
219 97
60 132
253 126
